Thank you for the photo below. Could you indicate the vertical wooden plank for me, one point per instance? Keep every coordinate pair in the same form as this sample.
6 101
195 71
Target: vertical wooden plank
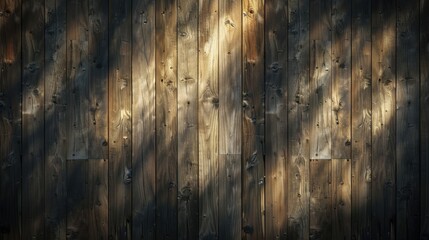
341 199
55 118
298 119
97 186
208 118
407 120
143 119
320 199
361 119
119 119
276 119
166 118
341 79
77 199
98 77
77 79
424 118
33 93
253 120
187 106
320 79
383 119
230 103
10 119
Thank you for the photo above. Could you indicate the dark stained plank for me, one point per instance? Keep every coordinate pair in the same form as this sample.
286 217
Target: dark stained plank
230 117
166 118
341 79
98 77
383 119
321 199
120 214
407 121
320 79
208 118
424 118
97 186
33 93
253 120
298 119
10 119
77 199
230 197
276 193
361 119
187 114
143 119
77 79
341 199
55 119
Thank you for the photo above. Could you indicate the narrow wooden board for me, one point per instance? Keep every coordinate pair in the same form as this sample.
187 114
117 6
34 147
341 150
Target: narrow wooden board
407 121
120 172
276 193
143 119
10 119
208 118
33 93
298 119
97 186
383 119
424 118
321 199
77 79
98 79
320 79
230 196
361 119
341 199
55 119
187 118
77 200
341 79
166 118
253 120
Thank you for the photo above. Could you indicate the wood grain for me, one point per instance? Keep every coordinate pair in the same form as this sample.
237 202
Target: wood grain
208 118
298 119
341 199
143 119
253 120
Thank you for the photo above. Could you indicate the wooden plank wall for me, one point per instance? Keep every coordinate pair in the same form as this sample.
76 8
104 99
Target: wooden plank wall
214 119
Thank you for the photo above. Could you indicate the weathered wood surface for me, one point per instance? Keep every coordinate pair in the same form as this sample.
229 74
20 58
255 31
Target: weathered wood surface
214 119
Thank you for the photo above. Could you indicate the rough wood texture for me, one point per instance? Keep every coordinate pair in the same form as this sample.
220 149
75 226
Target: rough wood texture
276 119
253 120
424 118
33 93
320 79
321 199
143 119
298 119
187 117
341 79
97 186
166 118
361 119
407 121
341 199
77 79
120 172
383 119
208 119
98 78
56 136
10 119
